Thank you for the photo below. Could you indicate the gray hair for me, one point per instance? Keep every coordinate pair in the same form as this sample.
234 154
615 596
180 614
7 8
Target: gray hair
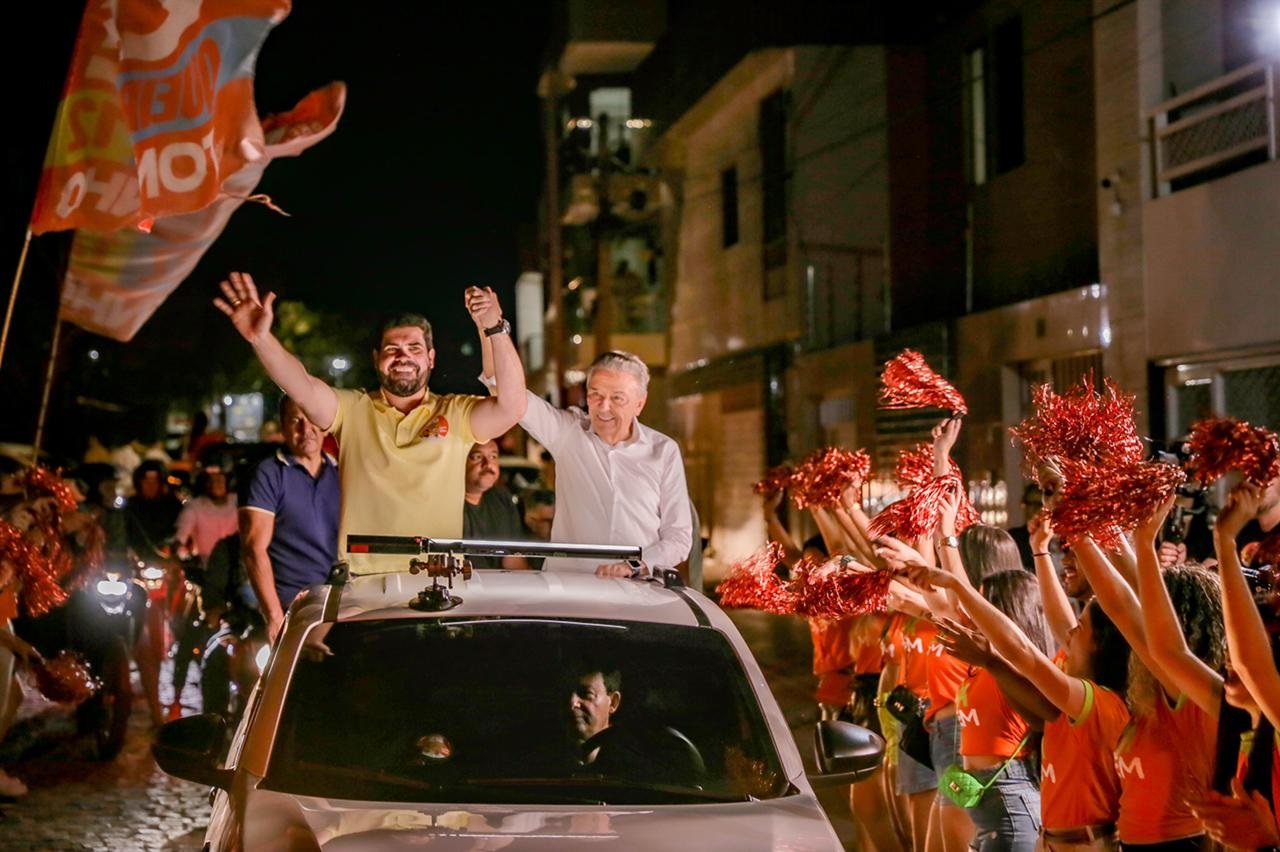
622 362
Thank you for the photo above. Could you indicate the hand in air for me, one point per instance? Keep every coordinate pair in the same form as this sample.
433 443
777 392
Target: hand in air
250 315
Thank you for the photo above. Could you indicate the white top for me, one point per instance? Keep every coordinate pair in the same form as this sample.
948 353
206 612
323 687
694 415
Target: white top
633 492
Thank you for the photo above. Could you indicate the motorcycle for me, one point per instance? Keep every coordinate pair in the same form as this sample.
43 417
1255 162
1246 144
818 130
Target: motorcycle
234 657
101 622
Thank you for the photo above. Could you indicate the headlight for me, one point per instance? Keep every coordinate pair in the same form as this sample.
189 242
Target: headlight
264 654
112 588
151 573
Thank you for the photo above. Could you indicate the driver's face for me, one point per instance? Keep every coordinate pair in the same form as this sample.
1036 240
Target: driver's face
591 704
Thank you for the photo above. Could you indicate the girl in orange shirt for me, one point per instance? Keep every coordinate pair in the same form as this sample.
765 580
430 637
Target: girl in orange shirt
1079 705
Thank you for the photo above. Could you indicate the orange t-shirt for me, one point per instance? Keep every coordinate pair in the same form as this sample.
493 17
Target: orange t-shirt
988 723
1163 759
8 604
1078 782
945 674
868 658
891 646
832 660
916 636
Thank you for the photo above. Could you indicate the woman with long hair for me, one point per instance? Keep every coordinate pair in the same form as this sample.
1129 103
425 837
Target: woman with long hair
1079 703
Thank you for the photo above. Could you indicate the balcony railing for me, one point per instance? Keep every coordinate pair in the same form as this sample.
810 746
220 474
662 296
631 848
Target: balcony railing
1222 126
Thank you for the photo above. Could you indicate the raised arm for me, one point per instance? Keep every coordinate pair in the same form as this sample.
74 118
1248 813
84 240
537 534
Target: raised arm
1058 612
494 415
252 318
974 648
1064 692
1118 599
1247 641
791 551
1165 639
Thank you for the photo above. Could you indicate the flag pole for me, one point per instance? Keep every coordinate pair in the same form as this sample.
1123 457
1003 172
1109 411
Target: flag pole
48 385
13 295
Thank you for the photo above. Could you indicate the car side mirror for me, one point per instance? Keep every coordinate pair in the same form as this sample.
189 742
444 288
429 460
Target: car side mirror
191 748
845 753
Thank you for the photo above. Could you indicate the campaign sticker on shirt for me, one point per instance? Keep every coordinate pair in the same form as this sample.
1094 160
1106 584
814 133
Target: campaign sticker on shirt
437 427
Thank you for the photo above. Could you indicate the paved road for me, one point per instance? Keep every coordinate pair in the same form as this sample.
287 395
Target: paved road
129 804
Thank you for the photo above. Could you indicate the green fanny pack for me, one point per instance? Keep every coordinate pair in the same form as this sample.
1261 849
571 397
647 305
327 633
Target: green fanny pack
965 790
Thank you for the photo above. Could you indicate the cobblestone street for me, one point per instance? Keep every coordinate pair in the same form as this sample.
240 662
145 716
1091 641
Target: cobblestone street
78 803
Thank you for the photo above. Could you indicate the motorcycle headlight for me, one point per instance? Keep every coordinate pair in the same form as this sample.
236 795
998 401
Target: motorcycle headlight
112 588
264 654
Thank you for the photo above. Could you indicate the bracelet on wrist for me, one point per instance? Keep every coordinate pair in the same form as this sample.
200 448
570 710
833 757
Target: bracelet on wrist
1046 553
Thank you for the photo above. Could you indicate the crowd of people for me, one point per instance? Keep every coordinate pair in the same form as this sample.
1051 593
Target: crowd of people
1088 697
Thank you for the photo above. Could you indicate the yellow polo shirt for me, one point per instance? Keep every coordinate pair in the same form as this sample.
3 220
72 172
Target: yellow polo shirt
401 474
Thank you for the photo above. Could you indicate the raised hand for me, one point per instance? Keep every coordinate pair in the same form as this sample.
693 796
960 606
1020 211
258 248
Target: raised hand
927 579
964 643
1149 530
1242 506
1040 532
250 315
897 554
482 304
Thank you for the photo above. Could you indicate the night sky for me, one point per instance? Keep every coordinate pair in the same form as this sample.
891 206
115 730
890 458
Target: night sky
422 191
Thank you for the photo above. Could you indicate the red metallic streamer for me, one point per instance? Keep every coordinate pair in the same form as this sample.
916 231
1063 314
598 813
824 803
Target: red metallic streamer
775 479
753 583
909 382
65 679
916 515
1081 424
824 475
1222 444
40 591
1107 503
836 589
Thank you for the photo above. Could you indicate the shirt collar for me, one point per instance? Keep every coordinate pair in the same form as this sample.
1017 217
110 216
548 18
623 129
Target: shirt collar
428 401
290 460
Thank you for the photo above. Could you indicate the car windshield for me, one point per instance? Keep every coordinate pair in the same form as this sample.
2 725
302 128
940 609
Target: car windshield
508 710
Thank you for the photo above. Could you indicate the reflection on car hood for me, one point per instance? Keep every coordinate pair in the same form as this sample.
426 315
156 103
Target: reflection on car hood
793 823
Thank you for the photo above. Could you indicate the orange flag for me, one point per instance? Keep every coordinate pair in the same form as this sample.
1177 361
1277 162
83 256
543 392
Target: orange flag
116 281
157 112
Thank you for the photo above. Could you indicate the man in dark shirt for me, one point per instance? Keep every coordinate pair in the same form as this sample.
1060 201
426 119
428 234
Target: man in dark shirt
289 520
490 511
151 515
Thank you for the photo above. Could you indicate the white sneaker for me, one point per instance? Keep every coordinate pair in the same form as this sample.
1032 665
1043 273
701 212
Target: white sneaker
10 786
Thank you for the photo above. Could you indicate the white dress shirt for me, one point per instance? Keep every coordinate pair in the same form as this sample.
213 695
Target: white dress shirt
632 492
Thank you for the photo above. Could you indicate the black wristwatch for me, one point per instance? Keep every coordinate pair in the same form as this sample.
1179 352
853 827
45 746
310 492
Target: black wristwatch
503 327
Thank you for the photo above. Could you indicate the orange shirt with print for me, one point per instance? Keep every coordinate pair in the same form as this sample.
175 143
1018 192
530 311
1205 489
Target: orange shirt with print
1164 758
944 673
868 658
988 723
832 659
917 636
1078 781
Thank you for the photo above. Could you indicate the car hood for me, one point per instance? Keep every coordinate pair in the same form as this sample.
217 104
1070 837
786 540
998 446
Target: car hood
793 823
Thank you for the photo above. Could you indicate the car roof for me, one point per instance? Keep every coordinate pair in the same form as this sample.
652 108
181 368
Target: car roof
530 594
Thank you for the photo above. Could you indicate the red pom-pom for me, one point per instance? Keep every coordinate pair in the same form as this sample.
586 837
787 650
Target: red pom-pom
1222 444
42 482
38 575
66 679
1082 425
753 583
916 515
908 382
775 479
836 589
1106 503
824 475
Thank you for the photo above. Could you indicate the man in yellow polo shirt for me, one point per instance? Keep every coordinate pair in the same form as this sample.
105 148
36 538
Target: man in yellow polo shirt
402 449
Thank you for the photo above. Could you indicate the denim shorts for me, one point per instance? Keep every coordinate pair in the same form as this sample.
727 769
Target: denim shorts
1008 817
944 745
912 776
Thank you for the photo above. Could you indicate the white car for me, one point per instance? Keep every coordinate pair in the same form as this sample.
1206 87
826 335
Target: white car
382 722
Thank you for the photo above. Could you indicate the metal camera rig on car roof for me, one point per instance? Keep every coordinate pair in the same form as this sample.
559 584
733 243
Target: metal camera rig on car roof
447 558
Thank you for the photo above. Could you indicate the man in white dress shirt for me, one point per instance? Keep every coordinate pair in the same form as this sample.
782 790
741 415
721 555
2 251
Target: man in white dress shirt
617 480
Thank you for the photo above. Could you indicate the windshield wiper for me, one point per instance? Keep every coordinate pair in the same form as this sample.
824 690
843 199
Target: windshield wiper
609 782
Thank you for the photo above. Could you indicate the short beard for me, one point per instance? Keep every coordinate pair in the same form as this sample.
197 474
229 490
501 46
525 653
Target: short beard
404 387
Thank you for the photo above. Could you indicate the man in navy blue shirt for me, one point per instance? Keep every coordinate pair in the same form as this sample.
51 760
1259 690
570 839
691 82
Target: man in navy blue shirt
289 521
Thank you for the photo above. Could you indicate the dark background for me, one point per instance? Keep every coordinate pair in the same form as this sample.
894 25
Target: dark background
422 191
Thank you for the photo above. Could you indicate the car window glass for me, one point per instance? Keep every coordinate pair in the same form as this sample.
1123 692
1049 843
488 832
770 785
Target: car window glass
511 711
